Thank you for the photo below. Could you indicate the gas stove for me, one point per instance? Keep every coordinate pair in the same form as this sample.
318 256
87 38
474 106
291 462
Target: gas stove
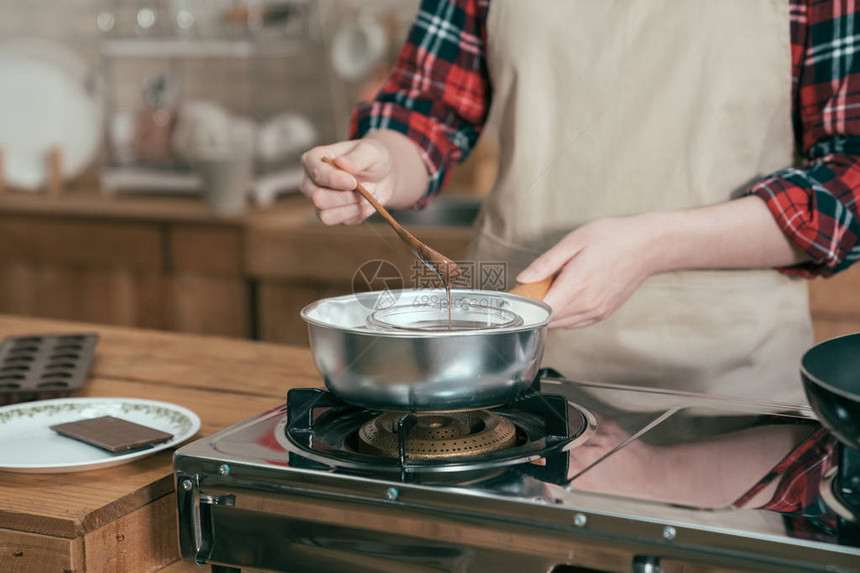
571 475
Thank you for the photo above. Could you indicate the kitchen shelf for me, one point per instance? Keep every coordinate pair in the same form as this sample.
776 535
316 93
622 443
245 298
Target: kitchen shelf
256 51
115 179
186 48
265 188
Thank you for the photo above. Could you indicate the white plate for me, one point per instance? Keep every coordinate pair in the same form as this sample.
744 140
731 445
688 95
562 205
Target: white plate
28 445
45 106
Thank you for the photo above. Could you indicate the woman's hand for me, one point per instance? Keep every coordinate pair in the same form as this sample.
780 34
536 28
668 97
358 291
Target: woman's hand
599 265
332 191
602 263
387 163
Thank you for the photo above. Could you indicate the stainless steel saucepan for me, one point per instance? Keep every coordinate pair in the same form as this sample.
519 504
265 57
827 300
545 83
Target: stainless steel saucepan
394 351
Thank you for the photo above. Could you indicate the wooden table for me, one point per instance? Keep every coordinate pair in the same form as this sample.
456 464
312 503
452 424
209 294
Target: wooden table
123 519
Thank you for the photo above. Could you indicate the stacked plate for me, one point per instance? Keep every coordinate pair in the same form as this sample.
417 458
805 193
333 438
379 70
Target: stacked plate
49 101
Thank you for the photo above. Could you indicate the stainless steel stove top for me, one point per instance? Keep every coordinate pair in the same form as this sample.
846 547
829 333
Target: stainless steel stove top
658 475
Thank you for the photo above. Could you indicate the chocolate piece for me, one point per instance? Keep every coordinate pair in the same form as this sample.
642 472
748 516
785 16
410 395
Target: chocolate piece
112 434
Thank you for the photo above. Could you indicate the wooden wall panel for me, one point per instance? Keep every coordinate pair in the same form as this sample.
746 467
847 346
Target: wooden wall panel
208 304
119 296
162 275
280 304
55 292
17 287
838 295
81 242
835 304
826 329
206 249
314 252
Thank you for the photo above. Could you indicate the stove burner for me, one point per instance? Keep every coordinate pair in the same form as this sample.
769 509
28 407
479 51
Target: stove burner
531 433
438 436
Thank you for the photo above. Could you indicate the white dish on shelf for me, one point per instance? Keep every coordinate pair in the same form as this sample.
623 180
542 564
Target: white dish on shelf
284 135
357 46
52 52
45 106
28 445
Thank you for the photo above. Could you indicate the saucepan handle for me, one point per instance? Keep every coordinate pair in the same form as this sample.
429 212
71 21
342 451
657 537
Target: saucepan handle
536 290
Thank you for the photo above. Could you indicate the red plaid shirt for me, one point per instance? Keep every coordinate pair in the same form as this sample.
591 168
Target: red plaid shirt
438 95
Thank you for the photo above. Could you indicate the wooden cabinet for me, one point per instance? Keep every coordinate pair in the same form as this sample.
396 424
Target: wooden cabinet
154 264
85 270
207 291
835 304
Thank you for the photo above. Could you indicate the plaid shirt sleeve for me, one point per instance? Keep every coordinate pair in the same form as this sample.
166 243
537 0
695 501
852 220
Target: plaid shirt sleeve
438 93
817 206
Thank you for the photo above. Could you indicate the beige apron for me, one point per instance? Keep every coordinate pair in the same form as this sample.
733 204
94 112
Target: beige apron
616 107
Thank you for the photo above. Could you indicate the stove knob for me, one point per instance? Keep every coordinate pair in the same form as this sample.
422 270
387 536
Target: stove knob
669 533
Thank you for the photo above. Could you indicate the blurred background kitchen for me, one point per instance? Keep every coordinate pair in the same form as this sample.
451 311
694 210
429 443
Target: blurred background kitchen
149 160
149 164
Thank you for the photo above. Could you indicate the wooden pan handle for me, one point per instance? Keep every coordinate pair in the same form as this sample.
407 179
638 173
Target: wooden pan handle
536 290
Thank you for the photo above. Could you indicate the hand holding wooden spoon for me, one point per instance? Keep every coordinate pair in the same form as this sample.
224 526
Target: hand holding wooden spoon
445 268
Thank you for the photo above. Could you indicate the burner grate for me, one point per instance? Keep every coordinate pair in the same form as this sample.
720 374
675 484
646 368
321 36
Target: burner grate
322 432
438 436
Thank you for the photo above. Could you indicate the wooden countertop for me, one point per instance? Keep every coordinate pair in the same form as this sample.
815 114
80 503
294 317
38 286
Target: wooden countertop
83 199
123 519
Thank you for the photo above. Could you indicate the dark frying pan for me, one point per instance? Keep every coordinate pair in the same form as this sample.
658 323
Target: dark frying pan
831 377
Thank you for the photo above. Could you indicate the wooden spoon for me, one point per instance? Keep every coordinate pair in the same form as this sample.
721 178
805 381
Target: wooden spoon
446 269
